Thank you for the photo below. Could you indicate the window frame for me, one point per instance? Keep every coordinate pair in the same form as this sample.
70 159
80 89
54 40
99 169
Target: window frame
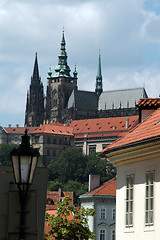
102 234
113 213
113 234
129 201
149 197
102 213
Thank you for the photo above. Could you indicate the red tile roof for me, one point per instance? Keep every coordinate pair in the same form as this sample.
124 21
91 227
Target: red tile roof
19 130
148 102
101 125
108 188
54 196
55 129
147 130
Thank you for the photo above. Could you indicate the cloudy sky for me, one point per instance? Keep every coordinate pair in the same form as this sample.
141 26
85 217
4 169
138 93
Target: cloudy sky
127 32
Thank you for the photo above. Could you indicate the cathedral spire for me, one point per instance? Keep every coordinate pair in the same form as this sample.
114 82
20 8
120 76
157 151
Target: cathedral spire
62 69
35 69
99 87
34 114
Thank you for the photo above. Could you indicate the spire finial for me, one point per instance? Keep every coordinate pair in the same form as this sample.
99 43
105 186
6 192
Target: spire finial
50 71
99 87
63 29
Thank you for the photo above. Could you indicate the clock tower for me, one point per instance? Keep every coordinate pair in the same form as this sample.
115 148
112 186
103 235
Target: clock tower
59 86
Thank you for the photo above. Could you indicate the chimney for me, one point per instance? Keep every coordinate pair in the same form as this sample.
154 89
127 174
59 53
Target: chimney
114 127
17 125
9 125
94 182
127 123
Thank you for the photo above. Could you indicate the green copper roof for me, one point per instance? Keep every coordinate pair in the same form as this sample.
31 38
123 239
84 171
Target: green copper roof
62 69
99 87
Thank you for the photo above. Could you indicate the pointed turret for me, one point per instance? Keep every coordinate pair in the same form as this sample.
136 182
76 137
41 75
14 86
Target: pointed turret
75 73
62 69
34 115
99 86
36 70
49 72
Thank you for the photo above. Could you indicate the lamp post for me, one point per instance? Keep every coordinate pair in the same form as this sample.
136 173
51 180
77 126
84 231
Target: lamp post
24 161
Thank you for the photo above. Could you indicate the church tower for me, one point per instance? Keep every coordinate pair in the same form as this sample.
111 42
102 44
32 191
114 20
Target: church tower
99 86
59 86
34 114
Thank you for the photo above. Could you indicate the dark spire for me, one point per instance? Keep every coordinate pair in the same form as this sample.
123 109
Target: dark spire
36 70
34 114
99 87
62 69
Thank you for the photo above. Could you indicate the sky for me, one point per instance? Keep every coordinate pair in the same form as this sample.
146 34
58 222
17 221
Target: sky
127 32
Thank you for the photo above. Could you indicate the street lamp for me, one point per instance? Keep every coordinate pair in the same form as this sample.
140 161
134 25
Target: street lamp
24 161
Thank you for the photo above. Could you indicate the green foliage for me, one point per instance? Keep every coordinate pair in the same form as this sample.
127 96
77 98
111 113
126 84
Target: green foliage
5 149
77 187
73 168
54 185
73 229
71 165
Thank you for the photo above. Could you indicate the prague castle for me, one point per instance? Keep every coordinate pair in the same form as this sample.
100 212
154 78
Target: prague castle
65 102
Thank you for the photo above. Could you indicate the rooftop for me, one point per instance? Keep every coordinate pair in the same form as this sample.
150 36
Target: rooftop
115 126
148 130
149 102
108 189
55 129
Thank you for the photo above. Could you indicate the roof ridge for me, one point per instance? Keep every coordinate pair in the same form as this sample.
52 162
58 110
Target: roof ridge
131 130
124 89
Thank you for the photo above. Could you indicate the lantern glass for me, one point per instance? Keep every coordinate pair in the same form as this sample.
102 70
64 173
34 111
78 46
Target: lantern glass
15 160
25 162
34 163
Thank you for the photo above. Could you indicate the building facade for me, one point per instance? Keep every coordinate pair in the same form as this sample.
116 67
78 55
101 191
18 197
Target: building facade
136 157
103 200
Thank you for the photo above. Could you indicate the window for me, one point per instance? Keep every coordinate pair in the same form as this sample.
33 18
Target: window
92 148
102 213
113 213
113 237
129 200
149 198
102 234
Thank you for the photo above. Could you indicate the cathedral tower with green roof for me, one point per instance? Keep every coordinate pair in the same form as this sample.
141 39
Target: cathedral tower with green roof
59 86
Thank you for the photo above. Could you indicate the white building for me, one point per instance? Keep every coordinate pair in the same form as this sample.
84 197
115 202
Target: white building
137 158
103 200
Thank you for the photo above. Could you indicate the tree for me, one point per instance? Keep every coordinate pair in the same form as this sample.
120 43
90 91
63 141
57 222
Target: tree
5 150
74 229
98 166
71 165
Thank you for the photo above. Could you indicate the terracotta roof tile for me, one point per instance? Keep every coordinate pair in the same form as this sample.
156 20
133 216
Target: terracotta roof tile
100 125
56 129
150 102
148 129
19 130
54 196
107 188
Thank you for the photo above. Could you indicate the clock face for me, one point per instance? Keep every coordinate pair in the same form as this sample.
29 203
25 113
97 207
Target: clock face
55 96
